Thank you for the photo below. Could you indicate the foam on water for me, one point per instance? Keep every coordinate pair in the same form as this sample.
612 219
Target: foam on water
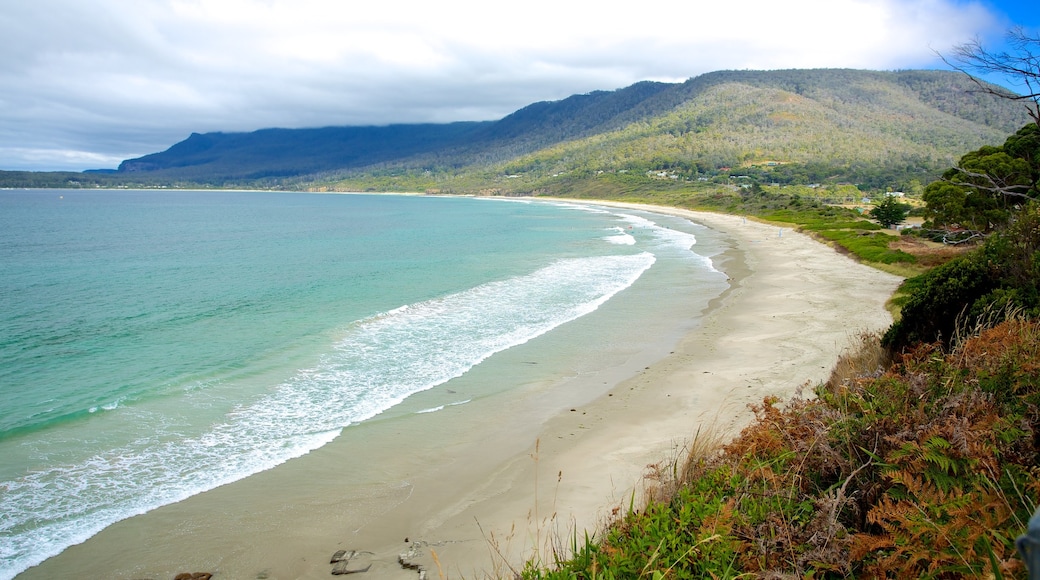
378 362
621 238
441 407
671 237
215 429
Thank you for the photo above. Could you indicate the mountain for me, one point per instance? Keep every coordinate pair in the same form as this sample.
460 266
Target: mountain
827 122
291 152
873 128
288 152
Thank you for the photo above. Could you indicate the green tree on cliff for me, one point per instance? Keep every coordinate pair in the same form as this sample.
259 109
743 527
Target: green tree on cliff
988 185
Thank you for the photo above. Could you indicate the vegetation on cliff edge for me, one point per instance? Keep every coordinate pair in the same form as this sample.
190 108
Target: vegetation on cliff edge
926 468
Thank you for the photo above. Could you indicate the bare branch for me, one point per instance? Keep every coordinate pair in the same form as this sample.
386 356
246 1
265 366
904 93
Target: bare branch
993 187
1021 67
971 235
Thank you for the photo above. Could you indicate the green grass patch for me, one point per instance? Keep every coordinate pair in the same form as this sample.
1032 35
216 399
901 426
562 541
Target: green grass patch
867 245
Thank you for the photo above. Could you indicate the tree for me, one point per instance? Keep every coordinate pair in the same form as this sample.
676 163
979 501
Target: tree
950 206
988 185
1021 67
889 211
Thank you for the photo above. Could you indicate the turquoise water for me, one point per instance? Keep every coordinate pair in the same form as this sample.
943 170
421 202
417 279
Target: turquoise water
154 345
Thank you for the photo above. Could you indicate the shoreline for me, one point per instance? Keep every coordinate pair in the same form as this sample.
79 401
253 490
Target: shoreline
536 472
793 306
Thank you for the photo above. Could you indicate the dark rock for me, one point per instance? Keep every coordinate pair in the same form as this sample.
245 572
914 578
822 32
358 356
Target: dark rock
406 563
346 562
344 568
342 555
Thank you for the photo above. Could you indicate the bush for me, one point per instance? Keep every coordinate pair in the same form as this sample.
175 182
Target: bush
1002 275
938 298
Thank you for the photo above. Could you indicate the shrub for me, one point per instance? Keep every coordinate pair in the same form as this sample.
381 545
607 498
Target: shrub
1002 275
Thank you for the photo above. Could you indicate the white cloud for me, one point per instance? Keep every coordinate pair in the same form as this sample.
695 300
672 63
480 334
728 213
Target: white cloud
112 79
56 159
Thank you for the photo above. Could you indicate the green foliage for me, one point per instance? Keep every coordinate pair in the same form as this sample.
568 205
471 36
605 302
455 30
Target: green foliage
869 247
1024 145
936 300
840 226
689 537
1003 274
952 205
988 185
889 211
928 470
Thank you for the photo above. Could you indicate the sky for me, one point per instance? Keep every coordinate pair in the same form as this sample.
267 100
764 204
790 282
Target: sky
85 84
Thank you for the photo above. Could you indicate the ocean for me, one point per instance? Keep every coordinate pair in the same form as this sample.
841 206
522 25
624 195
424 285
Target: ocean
157 344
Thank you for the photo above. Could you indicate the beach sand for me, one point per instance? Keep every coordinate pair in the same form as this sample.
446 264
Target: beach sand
526 468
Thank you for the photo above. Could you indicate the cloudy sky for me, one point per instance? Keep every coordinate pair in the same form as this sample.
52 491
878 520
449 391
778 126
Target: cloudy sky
88 83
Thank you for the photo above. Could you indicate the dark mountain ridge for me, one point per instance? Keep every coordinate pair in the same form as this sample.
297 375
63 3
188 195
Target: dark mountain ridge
290 152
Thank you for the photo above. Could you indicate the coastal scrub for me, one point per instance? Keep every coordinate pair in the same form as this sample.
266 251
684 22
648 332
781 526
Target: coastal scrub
925 469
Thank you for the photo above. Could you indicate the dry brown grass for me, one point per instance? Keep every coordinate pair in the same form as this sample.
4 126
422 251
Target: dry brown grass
663 479
929 254
865 358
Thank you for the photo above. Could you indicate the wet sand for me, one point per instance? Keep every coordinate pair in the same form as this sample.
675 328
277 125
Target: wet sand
507 475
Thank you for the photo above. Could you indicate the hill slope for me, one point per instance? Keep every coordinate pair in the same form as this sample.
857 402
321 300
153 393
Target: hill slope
827 122
291 152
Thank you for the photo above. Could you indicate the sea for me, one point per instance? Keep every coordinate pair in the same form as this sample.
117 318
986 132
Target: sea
157 344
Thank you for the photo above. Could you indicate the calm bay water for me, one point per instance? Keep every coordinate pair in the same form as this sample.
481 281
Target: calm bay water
154 345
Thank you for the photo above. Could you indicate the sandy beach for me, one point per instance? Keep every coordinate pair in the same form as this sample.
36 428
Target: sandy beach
521 471
795 304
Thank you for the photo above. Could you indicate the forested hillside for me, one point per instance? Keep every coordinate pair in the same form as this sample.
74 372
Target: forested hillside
881 130
808 126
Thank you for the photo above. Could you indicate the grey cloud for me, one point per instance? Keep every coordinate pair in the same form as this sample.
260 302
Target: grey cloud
108 80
